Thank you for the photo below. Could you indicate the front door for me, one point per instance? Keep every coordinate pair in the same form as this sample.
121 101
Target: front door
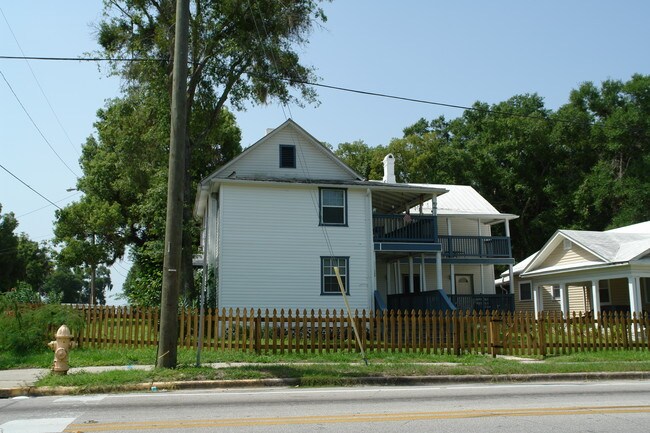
464 284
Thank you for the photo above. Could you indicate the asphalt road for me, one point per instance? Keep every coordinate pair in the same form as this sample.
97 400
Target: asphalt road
566 407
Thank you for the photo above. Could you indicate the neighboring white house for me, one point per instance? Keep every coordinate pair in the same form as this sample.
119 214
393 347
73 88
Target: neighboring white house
587 271
279 217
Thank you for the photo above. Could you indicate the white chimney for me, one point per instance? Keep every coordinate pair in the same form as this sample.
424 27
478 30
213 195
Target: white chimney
389 169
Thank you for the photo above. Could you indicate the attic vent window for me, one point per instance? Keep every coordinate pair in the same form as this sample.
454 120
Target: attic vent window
567 245
287 156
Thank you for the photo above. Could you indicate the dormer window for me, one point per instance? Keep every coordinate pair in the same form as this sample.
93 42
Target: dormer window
287 156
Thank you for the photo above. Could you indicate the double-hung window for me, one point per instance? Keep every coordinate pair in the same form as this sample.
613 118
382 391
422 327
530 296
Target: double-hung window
525 291
329 283
333 206
603 291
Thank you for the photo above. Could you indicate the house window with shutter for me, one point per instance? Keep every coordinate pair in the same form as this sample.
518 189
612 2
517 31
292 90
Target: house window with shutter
287 156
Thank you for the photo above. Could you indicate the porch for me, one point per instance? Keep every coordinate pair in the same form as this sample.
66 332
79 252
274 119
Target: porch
624 294
438 300
406 228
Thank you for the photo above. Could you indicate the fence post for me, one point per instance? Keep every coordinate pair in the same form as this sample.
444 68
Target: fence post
495 344
456 322
258 332
542 333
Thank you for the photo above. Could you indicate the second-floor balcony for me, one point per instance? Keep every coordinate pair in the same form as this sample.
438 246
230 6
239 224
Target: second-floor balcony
422 229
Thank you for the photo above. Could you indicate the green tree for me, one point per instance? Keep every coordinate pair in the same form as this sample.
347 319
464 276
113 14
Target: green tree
9 265
64 285
616 190
239 51
35 262
85 231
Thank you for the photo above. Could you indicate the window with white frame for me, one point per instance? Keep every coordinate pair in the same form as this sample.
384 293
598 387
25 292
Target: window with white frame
525 291
645 286
603 291
329 283
333 203
556 292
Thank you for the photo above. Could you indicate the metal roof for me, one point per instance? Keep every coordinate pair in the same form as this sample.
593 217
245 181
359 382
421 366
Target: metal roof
464 200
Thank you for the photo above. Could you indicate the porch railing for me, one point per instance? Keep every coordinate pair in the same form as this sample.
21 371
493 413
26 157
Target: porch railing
433 300
503 303
475 246
403 228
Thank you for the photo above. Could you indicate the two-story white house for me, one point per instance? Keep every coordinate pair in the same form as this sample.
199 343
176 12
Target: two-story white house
279 217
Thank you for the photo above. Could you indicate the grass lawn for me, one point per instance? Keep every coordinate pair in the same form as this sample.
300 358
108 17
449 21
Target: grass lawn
313 369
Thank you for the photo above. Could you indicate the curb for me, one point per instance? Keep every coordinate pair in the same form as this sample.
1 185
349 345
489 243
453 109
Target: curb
260 383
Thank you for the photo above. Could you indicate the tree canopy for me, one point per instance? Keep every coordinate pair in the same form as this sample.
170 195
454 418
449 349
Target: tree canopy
239 52
584 166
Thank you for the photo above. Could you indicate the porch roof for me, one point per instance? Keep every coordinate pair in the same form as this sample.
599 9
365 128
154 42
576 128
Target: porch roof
387 198
465 201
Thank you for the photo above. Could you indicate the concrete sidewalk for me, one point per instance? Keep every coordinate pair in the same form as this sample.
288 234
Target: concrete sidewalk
20 382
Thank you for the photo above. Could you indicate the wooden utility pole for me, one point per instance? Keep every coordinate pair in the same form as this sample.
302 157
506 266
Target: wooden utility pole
174 221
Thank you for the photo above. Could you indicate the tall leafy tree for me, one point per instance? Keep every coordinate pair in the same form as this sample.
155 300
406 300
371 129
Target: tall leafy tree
9 265
239 51
85 231
616 189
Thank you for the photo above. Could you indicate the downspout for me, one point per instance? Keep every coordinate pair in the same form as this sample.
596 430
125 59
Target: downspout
372 256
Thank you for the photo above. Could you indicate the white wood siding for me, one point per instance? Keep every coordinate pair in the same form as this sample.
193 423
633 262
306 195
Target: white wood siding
271 247
311 163
463 227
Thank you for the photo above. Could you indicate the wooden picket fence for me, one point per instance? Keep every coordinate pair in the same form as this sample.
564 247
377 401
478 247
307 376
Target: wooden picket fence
432 332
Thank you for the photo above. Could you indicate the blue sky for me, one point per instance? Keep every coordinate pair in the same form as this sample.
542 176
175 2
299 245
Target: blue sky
453 52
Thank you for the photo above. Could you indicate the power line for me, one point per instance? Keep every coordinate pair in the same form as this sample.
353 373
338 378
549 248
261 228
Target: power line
309 83
36 126
47 205
23 182
38 83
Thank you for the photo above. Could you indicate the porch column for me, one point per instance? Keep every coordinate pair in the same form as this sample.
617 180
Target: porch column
423 275
411 286
482 281
439 270
564 300
452 275
595 299
634 287
388 284
510 266
538 300
398 277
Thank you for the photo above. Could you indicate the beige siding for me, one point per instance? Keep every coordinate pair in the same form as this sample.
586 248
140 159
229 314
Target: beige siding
263 161
272 245
561 257
550 304
519 304
579 298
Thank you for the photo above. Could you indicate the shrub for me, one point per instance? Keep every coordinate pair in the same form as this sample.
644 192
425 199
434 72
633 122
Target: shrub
27 328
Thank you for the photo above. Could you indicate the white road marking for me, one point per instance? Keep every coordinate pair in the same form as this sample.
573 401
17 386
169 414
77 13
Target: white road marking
42 425
81 398
294 391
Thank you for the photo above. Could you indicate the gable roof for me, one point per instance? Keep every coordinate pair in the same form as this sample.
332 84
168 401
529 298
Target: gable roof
288 124
616 246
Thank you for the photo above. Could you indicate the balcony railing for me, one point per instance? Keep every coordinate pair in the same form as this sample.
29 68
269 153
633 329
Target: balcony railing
475 246
403 228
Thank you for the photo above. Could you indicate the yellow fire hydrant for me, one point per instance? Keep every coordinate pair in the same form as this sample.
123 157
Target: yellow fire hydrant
62 346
